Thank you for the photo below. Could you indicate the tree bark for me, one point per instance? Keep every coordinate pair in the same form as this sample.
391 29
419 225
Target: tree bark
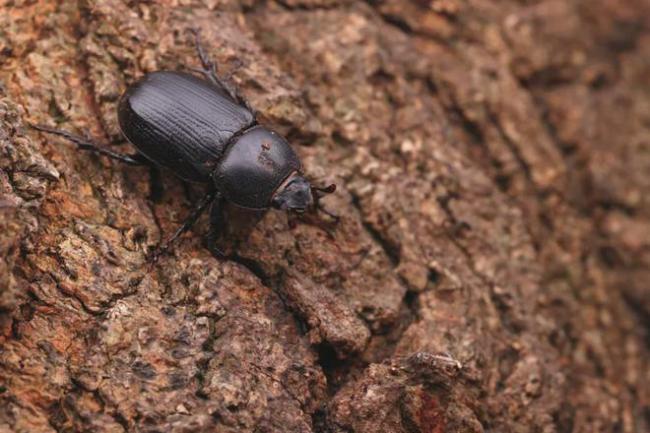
490 271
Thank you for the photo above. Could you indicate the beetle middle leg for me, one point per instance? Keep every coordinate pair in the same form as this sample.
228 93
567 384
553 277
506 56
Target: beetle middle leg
210 72
217 226
87 144
189 222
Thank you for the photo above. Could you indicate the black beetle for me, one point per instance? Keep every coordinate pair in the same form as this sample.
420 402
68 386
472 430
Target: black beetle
205 132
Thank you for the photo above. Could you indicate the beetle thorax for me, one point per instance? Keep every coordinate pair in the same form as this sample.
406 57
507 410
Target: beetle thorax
254 167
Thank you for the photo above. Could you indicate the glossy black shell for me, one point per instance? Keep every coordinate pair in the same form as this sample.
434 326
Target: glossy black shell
181 122
191 127
254 166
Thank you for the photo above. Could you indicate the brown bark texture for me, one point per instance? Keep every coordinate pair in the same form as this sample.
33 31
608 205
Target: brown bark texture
489 274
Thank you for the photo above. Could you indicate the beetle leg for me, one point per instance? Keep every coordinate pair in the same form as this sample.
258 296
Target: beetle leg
332 215
209 69
234 93
191 219
155 184
318 193
312 220
292 222
86 144
217 226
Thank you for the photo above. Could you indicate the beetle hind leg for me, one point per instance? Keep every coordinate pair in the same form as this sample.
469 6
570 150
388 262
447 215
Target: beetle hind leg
84 143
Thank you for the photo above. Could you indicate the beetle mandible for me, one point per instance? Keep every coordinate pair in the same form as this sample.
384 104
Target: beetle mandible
204 131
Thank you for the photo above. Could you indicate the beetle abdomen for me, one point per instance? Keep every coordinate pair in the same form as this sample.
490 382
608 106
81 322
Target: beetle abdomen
181 122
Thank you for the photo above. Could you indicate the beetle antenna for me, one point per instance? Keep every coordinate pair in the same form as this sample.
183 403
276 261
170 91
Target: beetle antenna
324 189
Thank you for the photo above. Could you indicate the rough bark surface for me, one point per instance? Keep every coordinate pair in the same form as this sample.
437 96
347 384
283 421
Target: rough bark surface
490 272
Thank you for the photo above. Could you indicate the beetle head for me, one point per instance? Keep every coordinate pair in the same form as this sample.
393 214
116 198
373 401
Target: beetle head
295 196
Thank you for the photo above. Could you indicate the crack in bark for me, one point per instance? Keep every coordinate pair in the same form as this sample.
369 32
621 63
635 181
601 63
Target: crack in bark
392 251
114 413
514 150
73 296
402 25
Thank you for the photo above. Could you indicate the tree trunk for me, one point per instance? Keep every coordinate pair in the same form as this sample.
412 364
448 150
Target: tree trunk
490 271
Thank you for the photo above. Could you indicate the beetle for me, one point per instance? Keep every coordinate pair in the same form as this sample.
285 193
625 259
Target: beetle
205 132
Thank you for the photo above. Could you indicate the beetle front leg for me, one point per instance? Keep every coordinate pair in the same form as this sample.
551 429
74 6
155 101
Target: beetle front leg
335 217
189 222
217 226
318 193
84 143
